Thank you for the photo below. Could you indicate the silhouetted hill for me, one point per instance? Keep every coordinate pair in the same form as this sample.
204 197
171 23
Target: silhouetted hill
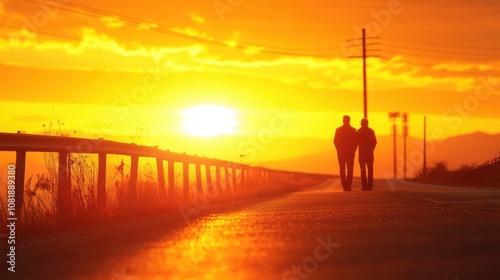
469 149
456 151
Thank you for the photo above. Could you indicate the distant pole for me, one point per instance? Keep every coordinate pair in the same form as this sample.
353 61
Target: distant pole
365 98
395 150
393 116
424 171
405 135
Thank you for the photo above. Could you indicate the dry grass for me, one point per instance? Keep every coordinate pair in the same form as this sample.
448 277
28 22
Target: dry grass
40 193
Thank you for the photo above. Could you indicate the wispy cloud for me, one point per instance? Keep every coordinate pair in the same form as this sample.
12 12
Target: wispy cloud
146 26
98 51
461 67
192 32
112 22
196 18
95 51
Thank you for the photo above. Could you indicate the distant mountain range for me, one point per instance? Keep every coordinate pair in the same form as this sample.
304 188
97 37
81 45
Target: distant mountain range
470 149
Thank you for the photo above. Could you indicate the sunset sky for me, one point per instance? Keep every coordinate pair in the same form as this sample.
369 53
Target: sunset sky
131 70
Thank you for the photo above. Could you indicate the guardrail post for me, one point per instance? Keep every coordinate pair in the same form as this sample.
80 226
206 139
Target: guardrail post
185 178
227 178
208 173
255 182
101 183
243 179
64 188
235 182
199 187
134 173
260 182
253 175
265 179
249 177
171 179
218 179
20 174
161 175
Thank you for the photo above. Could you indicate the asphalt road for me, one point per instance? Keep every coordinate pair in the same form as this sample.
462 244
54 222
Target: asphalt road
407 232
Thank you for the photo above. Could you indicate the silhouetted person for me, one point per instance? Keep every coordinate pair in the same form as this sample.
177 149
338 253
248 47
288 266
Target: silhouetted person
345 143
367 142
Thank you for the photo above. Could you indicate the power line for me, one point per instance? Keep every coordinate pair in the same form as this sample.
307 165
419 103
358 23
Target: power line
214 40
107 13
432 51
165 29
455 72
439 52
98 13
394 39
424 50
40 32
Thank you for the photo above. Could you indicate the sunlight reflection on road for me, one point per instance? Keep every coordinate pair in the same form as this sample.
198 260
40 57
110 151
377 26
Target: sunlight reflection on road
206 249
246 244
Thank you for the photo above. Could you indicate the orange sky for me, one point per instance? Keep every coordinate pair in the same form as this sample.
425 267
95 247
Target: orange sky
121 70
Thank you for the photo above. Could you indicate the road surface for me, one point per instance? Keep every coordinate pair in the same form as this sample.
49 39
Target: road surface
408 231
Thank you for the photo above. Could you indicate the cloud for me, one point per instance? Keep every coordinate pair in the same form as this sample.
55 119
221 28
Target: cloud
146 26
461 67
112 22
196 18
192 33
95 51
253 50
98 51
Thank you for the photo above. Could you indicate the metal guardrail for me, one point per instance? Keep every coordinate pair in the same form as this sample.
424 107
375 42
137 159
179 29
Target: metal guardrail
494 162
65 146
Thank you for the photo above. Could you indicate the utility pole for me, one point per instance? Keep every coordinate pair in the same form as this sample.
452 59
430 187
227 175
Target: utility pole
393 116
424 171
365 101
405 135
364 55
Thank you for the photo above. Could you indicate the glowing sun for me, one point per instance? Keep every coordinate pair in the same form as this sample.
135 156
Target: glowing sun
209 121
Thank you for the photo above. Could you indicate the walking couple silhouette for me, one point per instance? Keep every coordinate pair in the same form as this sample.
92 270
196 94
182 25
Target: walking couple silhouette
347 140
